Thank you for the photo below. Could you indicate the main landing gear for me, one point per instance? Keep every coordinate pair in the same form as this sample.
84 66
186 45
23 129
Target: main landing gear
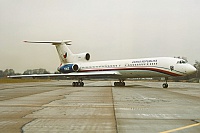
120 83
165 85
78 84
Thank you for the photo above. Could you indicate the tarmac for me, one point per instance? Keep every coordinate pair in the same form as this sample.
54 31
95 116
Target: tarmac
141 107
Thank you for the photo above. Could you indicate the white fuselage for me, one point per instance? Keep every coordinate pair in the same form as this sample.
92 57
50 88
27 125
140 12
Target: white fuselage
140 68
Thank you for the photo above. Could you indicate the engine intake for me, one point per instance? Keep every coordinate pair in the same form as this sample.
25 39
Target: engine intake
75 67
87 56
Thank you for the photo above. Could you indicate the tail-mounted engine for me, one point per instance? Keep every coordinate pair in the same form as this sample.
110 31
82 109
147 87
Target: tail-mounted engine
82 57
68 68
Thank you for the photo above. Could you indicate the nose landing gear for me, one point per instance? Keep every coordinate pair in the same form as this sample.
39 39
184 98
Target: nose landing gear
165 85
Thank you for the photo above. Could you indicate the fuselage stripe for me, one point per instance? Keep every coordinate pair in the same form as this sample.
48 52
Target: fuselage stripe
168 72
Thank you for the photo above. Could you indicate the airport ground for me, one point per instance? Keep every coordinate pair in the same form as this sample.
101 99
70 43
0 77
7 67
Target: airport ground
55 106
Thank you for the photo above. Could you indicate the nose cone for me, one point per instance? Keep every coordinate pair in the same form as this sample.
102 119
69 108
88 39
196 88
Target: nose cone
190 69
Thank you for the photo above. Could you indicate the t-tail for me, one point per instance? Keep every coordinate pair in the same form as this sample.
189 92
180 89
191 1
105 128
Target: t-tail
64 53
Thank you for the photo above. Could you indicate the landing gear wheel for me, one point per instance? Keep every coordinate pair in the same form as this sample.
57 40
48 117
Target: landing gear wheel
73 84
165 85
82 84
119 83
77 84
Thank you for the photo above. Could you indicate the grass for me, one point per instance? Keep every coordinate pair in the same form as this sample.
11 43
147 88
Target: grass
23 80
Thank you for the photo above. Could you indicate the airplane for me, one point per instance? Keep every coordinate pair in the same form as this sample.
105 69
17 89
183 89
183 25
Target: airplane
78 66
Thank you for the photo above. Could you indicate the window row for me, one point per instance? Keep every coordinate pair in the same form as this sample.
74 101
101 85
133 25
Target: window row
142 64
114 66
103 66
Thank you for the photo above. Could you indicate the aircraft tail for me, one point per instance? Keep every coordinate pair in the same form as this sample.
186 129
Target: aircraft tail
64 53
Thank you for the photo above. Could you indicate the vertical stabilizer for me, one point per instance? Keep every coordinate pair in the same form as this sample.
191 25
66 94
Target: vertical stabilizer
64 53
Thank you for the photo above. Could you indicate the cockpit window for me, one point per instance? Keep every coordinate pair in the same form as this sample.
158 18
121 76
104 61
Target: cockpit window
181 62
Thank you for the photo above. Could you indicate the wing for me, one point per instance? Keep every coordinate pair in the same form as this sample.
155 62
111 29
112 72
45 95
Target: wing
76 75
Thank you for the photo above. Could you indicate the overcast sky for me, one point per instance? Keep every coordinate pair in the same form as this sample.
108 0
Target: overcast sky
107 29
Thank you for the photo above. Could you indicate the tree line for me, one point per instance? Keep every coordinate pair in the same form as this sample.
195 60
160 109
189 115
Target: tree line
9 72
197 66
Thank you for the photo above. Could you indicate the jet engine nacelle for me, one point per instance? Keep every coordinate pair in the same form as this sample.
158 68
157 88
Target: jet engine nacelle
82 57
68 68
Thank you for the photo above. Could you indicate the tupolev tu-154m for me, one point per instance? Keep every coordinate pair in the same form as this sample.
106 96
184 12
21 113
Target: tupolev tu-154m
78 66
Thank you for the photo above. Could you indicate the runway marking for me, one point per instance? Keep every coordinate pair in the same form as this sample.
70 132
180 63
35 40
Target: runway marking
181 128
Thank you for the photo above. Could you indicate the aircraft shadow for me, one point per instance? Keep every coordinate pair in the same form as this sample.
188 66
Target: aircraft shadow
106 86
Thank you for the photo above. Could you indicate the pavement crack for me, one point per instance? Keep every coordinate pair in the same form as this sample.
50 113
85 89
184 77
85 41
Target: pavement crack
22 131
114 110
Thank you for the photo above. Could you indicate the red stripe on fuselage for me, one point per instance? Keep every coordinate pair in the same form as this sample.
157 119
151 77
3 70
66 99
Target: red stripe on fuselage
136 68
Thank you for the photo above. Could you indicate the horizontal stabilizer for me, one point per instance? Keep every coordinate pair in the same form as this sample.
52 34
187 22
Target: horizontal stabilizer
67 42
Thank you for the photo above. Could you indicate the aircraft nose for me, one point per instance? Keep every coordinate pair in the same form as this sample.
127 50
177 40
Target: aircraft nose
191 69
